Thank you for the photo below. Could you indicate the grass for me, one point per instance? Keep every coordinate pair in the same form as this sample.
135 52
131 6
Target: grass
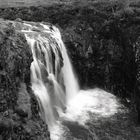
27 3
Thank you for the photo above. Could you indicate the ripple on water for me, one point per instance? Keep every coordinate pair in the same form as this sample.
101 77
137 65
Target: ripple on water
72 124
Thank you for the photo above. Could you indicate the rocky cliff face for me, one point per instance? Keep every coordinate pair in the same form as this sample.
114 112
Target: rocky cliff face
19 113
96 36
102 40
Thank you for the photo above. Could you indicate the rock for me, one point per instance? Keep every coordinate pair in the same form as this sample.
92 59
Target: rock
23 102
17 102
21 112
18 20
44 72
6 124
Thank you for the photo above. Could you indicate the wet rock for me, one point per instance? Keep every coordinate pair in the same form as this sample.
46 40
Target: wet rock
21 112
19 118
6 124
24 105
44 72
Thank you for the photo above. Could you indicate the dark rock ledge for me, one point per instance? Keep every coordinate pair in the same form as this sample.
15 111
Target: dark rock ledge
19 114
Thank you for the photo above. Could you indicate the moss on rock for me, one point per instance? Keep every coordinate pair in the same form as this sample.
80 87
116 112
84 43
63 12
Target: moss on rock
19 114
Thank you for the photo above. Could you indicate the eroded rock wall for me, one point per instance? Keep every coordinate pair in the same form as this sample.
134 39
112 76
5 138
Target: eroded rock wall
19 112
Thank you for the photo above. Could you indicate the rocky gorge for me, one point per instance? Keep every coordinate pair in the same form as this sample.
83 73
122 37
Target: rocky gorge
102 39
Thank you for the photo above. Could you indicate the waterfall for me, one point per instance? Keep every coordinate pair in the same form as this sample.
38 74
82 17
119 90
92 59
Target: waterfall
63 106
53 81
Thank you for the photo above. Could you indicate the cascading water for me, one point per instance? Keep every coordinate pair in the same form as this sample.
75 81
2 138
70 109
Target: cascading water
52 78
55 85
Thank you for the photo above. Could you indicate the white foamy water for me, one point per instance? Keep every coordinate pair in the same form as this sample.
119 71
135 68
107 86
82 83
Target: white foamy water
87 102
55 84
52 77
95 101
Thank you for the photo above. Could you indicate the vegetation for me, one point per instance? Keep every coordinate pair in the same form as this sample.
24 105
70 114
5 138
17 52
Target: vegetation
103 41
19 113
